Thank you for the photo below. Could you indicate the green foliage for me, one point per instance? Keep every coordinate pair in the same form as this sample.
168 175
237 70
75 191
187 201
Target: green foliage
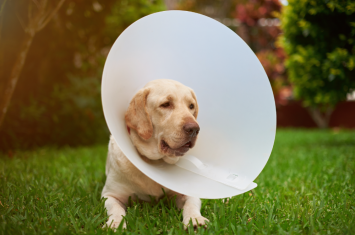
307 187
319 38
128 12
57 100
71 115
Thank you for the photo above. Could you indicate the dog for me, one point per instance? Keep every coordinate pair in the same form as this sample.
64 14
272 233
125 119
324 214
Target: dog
161 122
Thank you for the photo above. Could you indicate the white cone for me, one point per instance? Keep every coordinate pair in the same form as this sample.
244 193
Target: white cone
237 112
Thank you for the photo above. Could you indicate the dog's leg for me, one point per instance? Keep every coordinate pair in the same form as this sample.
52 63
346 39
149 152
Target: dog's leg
191 210
115 209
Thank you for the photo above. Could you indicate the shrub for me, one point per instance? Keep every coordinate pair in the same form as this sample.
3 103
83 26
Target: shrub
318 37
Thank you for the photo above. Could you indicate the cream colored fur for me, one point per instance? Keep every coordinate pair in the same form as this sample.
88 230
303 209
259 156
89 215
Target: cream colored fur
152 122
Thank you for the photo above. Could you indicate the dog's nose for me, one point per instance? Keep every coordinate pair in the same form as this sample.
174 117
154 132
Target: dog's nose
191 128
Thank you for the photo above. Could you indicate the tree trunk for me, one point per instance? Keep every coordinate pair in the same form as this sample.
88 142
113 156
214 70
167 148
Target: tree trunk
1 43
15 74
36 22
321 118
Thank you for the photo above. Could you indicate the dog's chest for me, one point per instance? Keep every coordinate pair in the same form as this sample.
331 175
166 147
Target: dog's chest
145 188
126 179
140 185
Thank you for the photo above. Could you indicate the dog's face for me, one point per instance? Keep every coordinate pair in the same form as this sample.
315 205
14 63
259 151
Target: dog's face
162 117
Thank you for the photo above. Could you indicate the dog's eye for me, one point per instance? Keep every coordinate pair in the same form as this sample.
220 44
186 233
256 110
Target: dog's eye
165 105
192 106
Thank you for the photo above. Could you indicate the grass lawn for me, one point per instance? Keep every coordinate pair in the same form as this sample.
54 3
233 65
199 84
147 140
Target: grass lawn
307 187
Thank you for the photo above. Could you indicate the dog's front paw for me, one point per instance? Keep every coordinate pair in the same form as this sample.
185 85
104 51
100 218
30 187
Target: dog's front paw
196 221
114 224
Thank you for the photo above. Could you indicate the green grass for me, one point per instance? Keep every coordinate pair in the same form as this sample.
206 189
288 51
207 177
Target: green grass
307 187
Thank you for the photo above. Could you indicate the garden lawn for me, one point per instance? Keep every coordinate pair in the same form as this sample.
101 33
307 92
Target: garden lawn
307 187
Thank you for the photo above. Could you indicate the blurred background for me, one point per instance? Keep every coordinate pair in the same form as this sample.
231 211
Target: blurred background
52 55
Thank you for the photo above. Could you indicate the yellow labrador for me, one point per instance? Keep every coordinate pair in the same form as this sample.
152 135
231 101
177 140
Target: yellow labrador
161 121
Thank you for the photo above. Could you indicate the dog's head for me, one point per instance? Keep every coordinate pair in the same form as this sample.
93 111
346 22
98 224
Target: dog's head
162 119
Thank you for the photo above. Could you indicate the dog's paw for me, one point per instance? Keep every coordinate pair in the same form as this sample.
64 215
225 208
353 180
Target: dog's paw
114 225
196 221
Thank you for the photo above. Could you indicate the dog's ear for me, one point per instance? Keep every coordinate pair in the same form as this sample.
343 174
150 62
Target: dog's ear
196 106
137 116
